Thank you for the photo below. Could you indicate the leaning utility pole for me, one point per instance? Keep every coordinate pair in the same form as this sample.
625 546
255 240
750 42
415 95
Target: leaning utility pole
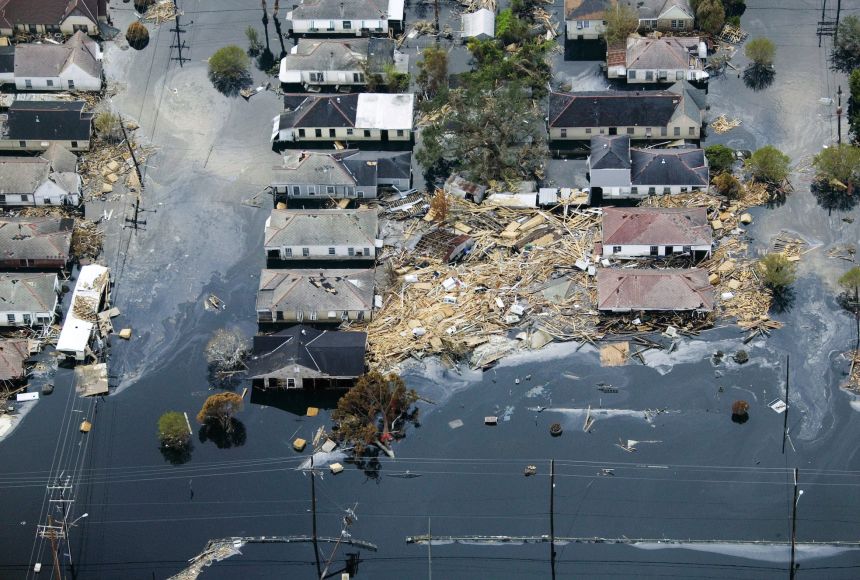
53 533
131 151
314 511
791 571
436 9
787 407
551 517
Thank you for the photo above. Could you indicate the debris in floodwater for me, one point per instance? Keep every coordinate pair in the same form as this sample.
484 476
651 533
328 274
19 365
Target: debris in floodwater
212 302
717 357
403 474
491 420
740 411
528 377
741 357
778 405
603 387
517 381
629 447
555 429
455 424
530 470
606 471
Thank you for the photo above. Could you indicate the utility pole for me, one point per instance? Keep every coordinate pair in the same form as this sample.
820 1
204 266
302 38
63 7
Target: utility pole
552 516
131 151
436 10
53 533
180 44
836 28
791 571
826 27
787 407
314 512
839 115
429 553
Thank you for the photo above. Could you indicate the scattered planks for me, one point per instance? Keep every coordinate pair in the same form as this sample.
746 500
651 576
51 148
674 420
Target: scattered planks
722 124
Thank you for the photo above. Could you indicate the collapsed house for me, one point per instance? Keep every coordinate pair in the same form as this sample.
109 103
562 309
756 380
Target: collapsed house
37 242
658 60
324 234
304 357
669 290
316 62
36 125
81 324
459 186
35 181
341 175
357 17
444 245
312 296
28 298
639 232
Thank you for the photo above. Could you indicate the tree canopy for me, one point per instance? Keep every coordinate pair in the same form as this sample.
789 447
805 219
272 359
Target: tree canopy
839 165
778 271
720 158
137 35
173 430
711 15
228 68
621 21
728 185
226 350
854 105
433 71
769 165
850 280
760 51
219 409
845 56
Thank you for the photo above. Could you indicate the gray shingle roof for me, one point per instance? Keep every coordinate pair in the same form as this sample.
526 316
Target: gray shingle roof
315 290
27 292
35 238
327 352
612 109
668 52
352 168
49 60
61 159
668 289
610 152
22 175
312 111
652 9
321 54
669 167
322 227
49 121
13 353
341 9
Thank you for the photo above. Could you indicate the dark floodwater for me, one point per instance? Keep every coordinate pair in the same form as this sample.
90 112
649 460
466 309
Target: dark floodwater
695 473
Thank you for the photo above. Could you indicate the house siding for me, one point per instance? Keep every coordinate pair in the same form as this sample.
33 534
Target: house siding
585 29
343 134
46 263
326 26
36 145
639 251
642 191
367 251
335 77
656 133
314 191
322 317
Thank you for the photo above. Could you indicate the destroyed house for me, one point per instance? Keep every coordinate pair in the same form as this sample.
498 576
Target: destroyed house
13 353
633 290
336 62
618 171
322 234
38 242
459 186
351 117
658 60
74 66
676 113
444 245
52 16
90 294
36 125
655 232
28 298
341 175
33 181
304 357
356 17
314 296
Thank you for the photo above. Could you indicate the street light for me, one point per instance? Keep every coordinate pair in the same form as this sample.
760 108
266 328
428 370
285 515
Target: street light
87 515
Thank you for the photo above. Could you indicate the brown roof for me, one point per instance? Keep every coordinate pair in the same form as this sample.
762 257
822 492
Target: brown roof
13 353
639 289
651 226
51 12
35 238
656 53
586 9
616 55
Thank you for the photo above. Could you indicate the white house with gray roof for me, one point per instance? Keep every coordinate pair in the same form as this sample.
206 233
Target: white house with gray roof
315 62
329 296
28 298
73 66
321 234
358 17
33 181
658 60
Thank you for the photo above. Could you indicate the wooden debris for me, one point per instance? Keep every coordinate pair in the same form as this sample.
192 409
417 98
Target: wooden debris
722 124
614 354
163 11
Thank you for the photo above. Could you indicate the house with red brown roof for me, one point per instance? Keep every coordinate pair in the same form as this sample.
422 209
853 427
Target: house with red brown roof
658 60
13 353
637 232
633 290
52 16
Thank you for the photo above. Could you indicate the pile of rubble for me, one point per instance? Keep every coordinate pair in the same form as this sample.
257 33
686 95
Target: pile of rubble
160 12
106 164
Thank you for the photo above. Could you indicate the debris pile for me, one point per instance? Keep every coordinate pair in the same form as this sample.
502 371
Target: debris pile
722 124
87 240
160 12
732 34
106 164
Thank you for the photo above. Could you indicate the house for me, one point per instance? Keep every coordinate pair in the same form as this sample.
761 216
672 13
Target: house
29 298
585 19
677 112
459 186
7 65
480 24
444 245
352 117
304 357
347 174
36 242
664 15
13 353
32 181
35 125
321 234
74 66
618 171
675 290
637 232
658 60
90 293
52 16
327 297
316 62
358 17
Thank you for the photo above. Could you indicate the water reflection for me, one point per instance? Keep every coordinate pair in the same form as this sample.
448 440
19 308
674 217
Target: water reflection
833 198
177 455
783 299
758 77
234 436
295 401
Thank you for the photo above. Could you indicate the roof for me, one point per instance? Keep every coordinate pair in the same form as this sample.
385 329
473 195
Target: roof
28 292
384 111
478 23
321 227
86 298
315 290
380 53
610 152
352 168
52 12
618 108
61 159
651 226
652 9
385 165
326 352
640 289
668 52
312 54
50 60
7 59
338 9
49 121
586 9
36 238
13 353
22 175
669 167
319 111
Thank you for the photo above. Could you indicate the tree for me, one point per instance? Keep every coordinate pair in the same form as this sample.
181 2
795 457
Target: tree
397 82
850 280
107 126
433 71
173 430
720 158
137 35
226 350
760 51
711 15
510 29
728 185
621 21
778 271
375 399
769 165
440 205
839 166
255 47
845 56
524 9
219 410
854 105
228 69
143 5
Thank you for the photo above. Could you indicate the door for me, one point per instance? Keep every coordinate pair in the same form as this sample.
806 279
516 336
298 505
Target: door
655 250
613 130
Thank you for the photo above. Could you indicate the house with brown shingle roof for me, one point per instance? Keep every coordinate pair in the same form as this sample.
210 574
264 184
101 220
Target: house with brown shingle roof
52 16
28 298
632 290
314 296
657 60
13 353
656 232
36 242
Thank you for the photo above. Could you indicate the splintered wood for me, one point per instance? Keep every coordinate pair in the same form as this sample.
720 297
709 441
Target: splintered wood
163 11
107 165
519 273
722 124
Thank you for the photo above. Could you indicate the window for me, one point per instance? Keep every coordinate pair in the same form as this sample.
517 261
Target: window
360 315
301 132
366 251
677 24
50 83
74 144
677 131
400 132
291 383
649 75
306 252
679 75
582 24
602 131
22 143
634 190
316 77
349 131
331 133
350 252
329 189
331 251
297 190
692 131
81 28
367 132
616 249
27 320
358 77
631 75
347 25
300 315
667 190
344 315
360 194
288 252
629 130
654 250
564 133
313 315
683 190
663 131
2 198
273 254
652 190
42 319
688 249
588 130
318 132
330 27
10 318
71 84
28 84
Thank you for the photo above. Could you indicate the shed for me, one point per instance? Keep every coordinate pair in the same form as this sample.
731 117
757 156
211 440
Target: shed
480 24
87 298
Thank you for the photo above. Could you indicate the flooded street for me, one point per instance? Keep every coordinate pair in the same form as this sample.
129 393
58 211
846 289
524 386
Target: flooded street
694 474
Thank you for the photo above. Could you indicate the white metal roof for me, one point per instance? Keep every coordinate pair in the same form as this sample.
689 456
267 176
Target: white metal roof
480 24
75 335
384 111
395 9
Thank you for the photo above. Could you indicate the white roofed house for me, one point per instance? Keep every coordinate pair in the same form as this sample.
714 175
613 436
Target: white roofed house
316 62
314 296
322 234
480 24
73 66
80 326
356 17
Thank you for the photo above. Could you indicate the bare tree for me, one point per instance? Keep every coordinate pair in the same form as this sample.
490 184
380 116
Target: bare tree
226 351
219 409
